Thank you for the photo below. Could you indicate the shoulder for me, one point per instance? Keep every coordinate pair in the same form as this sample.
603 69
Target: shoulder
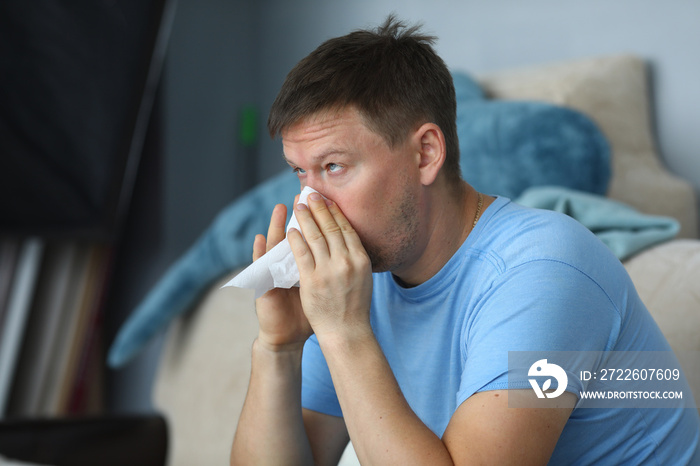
517 235
551 256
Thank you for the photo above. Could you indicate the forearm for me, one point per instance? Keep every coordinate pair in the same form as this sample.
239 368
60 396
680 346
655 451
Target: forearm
383 428
270 428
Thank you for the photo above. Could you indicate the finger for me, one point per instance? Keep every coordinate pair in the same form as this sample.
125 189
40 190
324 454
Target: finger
276 233
312 234
259 247
302 255
327 223
351 238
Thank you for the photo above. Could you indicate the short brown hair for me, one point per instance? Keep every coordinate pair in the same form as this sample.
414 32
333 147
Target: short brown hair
391 75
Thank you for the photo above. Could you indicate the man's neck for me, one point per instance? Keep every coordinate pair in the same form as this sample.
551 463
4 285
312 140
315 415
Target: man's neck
449 214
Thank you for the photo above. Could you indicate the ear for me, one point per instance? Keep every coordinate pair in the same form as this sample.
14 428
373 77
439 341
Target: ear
430 142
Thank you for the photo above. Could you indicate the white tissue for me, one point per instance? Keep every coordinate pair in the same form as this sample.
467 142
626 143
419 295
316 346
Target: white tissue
277 267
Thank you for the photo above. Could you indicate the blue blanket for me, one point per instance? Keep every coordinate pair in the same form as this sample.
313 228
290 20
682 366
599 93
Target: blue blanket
624 230
227 245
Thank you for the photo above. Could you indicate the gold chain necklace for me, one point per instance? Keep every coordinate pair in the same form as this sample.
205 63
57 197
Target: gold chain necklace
478 209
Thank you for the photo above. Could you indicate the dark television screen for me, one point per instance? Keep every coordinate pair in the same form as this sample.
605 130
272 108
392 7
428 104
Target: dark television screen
77 82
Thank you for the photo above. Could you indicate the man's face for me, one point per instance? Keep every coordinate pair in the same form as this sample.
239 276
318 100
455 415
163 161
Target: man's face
374 186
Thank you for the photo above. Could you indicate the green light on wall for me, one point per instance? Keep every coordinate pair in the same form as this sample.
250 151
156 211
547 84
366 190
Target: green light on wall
248 126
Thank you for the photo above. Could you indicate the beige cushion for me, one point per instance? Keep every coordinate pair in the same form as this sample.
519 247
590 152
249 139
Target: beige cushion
613 92
203 376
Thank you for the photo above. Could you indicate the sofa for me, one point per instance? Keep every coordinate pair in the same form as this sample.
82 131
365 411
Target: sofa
205 362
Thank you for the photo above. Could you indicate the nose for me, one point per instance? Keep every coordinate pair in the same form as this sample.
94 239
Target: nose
314 184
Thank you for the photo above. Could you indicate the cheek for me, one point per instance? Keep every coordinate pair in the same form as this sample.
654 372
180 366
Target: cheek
368 219
368 207
359 212
350 202
351 212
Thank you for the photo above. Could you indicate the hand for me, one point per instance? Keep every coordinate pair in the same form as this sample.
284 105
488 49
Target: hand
335 270
283 324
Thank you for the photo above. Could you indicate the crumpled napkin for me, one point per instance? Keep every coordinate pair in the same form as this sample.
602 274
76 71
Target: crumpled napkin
277 267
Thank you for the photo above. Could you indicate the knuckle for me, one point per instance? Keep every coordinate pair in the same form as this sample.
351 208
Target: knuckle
331 228
302 253
314 236
344 265
363 262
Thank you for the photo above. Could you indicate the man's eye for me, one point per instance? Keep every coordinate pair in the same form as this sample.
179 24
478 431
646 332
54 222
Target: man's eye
299 171
333 167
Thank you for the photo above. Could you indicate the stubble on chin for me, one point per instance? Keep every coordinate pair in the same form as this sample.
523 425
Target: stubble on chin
399 241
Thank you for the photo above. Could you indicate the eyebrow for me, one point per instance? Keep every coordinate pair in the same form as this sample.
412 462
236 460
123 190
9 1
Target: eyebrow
320 157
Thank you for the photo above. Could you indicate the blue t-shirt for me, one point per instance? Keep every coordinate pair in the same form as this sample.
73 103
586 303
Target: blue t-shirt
524 280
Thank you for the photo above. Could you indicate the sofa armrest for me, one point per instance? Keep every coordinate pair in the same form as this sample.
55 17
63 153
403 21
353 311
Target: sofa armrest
105 441
648 188
666 277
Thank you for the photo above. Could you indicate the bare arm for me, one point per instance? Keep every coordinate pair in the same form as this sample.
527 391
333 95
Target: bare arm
483 430
272 428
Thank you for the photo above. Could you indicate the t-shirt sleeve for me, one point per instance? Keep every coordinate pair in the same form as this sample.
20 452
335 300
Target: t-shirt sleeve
541 306
317 391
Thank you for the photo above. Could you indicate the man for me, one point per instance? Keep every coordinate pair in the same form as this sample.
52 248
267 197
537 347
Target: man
415 287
